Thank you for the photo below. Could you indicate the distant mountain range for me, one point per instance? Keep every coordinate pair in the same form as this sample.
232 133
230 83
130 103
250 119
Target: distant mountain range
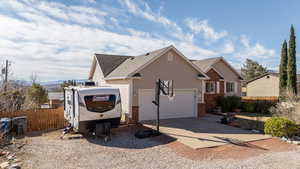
61 81
54 85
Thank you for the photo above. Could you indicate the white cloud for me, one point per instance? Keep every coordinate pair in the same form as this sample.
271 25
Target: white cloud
201 26
76 14
57 41
148 14
254 51
139 33
194 52
245 41
228 47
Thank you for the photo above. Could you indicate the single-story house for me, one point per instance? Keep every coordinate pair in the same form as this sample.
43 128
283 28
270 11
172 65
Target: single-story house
266 85
135 76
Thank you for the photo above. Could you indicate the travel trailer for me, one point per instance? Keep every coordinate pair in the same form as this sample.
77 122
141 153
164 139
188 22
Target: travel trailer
86 107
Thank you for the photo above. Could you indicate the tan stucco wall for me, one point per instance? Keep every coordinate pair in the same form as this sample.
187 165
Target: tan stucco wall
264 86
98 76
228 75
183 74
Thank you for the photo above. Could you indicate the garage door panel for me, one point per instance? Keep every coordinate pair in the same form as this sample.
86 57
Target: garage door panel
182 105
146 106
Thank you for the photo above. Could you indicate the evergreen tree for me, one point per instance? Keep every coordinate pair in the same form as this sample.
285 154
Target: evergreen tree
252 69
283 67
291 66
37 94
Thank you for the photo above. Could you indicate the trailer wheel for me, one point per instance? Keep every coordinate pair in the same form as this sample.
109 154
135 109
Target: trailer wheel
103 130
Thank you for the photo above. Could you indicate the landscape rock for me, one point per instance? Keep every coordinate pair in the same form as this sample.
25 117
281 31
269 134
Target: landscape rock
296 138
11 157
255 131
296 142
4 165
17 160
284 139
2 153
15 166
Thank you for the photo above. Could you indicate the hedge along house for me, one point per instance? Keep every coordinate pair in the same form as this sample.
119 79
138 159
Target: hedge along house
223 80
135 76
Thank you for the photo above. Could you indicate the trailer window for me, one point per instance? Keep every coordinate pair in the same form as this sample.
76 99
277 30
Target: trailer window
100 103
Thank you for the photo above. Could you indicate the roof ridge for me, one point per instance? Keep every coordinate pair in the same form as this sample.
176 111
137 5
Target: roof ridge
211 58
103 54
157 50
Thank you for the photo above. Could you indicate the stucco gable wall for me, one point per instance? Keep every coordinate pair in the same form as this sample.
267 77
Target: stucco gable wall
98 76
228 75
183 74
264 86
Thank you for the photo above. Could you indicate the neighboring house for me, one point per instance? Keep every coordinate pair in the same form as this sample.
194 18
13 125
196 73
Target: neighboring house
266 85
55 99
224 80
135 76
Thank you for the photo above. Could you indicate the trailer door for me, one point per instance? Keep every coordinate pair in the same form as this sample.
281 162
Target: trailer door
68 113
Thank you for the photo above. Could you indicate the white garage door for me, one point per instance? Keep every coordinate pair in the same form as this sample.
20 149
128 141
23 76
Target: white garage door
182 105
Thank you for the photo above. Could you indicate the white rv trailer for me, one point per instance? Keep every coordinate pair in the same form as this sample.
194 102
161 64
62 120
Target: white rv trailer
84 107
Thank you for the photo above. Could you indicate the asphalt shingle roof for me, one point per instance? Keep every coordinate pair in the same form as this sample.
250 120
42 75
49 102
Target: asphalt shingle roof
122 66
270 73
108 63
205 63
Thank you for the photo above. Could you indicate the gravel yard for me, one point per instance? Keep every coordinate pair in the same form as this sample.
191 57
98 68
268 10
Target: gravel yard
125 151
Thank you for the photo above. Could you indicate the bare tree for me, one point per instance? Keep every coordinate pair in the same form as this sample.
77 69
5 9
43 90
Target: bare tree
33 78
13 98
288 107
6 73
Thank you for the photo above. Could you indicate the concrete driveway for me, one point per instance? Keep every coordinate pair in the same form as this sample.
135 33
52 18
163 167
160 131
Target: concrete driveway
204 132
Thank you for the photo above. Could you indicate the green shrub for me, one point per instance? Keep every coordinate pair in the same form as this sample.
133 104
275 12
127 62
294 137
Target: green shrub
259 106
229 103
263 106
280 126
248 107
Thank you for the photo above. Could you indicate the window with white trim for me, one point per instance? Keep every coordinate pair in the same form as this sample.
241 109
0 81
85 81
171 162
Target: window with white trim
210 87
230 87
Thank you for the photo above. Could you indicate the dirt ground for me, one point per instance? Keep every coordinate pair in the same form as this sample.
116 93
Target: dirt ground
231 151
126 151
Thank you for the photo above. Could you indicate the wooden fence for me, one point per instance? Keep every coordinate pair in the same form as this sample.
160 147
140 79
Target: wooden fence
40 119
255 98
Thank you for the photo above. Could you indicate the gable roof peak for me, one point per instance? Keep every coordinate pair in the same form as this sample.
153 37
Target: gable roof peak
116 66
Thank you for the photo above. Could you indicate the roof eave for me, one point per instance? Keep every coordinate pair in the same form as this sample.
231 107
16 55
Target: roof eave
92 70
203 78
121 78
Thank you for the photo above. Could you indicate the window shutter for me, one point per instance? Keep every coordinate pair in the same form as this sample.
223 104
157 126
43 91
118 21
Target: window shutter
218 87
235 87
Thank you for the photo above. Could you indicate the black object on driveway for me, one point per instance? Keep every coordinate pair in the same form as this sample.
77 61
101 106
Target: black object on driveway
146 133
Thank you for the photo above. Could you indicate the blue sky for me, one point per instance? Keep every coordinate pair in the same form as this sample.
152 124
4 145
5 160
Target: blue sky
56 39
